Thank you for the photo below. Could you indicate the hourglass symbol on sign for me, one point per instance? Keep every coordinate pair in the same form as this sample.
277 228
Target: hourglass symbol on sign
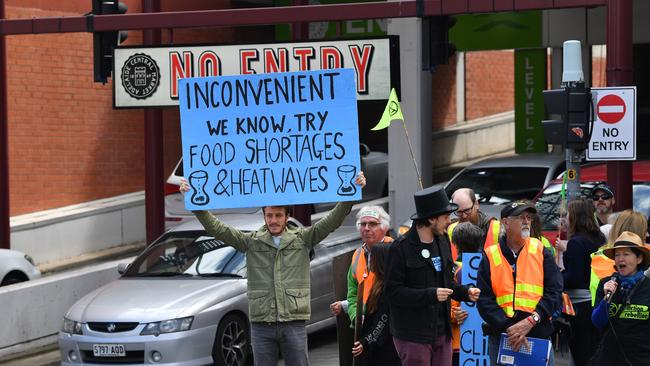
198 180
346 174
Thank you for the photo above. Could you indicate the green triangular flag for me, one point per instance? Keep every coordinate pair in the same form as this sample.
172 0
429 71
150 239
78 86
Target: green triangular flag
391 112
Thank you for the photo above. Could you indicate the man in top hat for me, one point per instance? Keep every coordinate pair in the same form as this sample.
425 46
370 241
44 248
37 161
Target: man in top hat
419 284
521 286
603 196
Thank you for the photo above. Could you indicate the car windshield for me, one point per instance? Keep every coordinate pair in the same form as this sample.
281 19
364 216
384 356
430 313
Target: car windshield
500 185
548 202
189 254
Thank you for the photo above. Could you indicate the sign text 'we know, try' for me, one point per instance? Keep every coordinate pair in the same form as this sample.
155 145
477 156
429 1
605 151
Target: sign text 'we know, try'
270 139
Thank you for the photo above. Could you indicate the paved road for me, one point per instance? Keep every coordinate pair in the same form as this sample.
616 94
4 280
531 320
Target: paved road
323 351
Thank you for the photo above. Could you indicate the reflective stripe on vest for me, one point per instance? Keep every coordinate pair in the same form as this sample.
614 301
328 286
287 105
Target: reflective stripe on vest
492 237
529 288
601 267
547 245
454 250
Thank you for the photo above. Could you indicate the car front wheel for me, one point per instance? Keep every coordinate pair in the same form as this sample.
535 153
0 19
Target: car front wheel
232 346
13 277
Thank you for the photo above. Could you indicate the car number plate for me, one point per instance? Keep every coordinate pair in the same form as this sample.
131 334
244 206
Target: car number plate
109 350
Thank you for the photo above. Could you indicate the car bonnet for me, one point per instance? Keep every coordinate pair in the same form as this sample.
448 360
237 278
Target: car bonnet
153 299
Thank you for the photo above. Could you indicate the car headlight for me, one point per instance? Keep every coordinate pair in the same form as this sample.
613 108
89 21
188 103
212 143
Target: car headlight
168 326
71 326
29 259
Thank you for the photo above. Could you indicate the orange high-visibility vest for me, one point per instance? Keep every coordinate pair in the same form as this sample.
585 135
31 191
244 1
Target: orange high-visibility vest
491 238
601 267
455 328
362 272
529 288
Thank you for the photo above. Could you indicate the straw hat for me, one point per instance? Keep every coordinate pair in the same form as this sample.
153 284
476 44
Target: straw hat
629 239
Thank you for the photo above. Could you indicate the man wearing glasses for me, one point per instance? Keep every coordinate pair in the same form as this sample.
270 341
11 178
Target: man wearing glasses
521 286
373 223
603 196
469 210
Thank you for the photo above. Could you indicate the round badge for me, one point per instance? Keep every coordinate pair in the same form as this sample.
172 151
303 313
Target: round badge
140 76
425 253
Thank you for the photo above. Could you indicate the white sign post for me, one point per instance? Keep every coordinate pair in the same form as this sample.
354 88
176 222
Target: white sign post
614 132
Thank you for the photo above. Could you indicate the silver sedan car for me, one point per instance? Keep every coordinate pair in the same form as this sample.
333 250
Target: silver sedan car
16 267
183 302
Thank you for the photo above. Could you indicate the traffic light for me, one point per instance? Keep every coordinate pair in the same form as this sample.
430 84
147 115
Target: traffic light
555 102
436 49
105 42
573 106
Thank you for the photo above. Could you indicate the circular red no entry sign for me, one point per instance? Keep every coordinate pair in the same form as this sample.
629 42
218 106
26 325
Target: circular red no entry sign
611 108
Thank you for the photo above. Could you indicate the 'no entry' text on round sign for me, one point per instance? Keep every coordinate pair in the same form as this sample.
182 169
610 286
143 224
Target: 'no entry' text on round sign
611 109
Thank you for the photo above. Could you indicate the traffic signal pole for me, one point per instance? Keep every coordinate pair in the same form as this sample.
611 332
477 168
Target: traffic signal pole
573 80
572 118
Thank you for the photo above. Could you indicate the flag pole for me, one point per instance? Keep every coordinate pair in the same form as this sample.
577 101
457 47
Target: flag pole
415 164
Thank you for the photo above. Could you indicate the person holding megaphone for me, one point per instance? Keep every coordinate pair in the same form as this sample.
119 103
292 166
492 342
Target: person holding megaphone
623 305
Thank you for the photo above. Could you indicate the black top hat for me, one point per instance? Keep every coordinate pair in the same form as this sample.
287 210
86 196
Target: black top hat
430 202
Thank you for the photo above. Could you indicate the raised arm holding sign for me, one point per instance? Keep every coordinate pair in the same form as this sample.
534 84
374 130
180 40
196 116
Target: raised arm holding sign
272 140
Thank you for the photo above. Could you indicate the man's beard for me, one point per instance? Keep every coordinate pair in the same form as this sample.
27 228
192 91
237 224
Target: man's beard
602 209
474 218
525 233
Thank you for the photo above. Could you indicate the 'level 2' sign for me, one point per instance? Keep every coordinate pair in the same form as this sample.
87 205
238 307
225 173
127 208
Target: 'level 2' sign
614 131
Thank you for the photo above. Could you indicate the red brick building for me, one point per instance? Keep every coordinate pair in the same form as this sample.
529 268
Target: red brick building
68 145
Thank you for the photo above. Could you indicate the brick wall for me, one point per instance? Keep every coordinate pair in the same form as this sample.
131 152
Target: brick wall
598 74
443 93
67 144
489 87
489 83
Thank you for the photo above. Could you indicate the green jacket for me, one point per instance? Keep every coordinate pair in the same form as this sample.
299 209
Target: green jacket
278 278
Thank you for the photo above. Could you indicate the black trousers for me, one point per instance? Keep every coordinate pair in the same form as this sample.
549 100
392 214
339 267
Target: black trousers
584 335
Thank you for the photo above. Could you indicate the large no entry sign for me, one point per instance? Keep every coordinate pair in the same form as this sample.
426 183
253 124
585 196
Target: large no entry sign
611 108
614 133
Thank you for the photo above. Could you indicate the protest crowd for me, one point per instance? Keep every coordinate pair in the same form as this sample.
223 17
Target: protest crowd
406 302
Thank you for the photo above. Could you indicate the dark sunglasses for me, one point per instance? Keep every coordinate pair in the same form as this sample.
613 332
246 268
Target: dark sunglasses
598 197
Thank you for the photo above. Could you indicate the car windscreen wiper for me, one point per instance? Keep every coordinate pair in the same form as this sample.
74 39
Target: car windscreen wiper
233 275
162 274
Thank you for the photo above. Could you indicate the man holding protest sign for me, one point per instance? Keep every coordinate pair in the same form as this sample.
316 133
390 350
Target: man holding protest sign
277 258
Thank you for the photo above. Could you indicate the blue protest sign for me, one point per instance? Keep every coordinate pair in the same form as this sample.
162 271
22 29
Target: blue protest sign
270 139
473 344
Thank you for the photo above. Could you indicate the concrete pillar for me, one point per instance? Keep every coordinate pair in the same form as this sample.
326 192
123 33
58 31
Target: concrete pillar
460 87
416 106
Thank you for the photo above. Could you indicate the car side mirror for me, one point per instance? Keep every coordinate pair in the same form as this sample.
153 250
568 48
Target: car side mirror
122 267
364 149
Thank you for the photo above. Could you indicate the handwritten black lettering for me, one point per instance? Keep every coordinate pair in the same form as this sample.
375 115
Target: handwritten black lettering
264 91
220 129
247 181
